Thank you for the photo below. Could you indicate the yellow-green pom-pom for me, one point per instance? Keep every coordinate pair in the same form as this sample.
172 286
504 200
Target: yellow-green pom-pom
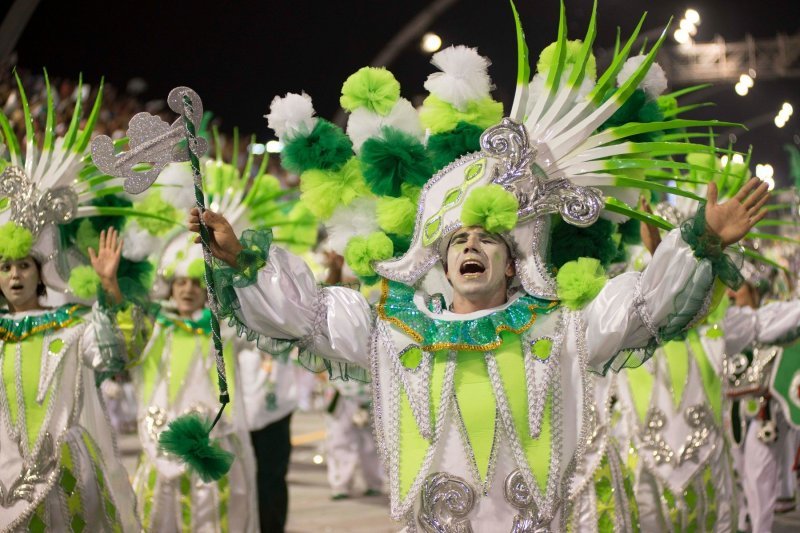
491 207
324 190
196 269
396 215
440 116
15 241
154 204
548 56
373 88
360 252
580 281
83 282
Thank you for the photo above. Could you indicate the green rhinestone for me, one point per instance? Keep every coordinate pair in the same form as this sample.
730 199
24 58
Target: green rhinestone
78 524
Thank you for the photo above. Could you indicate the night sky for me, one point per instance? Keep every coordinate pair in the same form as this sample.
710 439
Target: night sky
238 54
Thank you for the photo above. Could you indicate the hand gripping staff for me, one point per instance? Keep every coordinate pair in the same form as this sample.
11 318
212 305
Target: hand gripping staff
153 144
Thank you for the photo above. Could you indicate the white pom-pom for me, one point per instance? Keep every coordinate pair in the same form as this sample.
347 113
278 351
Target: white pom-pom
178 183
363 124
654 82
347 221
464 76
537 91
138 244
291 115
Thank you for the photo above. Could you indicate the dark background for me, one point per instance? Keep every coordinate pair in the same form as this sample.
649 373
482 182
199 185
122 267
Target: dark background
238 54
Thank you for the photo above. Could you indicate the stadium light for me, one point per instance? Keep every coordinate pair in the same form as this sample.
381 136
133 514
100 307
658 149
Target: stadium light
430 43
692 16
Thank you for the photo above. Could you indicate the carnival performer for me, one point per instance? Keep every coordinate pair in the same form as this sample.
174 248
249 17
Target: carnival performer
753 338
59 470
478 356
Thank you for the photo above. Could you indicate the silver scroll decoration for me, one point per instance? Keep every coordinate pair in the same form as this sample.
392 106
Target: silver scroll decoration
653 439
518 495
537 194
33 209
33 473
446 502
699 419
153 144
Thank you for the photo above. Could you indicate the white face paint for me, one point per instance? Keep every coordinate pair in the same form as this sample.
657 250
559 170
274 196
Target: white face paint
478 267
189 296
19 281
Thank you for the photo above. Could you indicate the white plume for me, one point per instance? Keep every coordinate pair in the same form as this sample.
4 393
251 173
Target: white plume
364 124
178 183
536 88
291 115
138 244
347 221
464 76
654 82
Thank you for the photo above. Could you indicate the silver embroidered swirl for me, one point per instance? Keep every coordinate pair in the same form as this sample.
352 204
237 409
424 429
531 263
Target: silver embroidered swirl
519 496
153 144
536 193
699 419
653 440
32 208
33 473
446 502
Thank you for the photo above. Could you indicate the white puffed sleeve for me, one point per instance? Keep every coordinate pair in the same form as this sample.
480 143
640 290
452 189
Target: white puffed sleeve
775 323
103 345
286 303
639 310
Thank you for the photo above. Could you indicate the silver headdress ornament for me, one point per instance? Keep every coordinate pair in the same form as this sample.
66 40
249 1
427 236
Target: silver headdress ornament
32 208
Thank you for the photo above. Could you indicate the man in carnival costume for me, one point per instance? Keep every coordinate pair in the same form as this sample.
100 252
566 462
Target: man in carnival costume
59 470
478 355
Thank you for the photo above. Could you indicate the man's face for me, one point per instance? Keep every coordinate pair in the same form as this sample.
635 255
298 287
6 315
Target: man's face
478 263
189 295
19 281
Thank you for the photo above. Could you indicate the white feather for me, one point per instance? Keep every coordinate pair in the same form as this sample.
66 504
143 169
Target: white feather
363 124
464 76
347 221
654 82
536 88
291 115
138 244
178 183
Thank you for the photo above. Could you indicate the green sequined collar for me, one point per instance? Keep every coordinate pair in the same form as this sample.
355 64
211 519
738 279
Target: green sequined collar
479 334
18 329
201 326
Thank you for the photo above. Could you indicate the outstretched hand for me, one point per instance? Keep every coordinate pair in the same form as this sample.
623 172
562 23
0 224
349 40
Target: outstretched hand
105 262
222 240
731 220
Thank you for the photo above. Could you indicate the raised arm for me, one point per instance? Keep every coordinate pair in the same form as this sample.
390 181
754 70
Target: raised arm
635 312
269 292
775 323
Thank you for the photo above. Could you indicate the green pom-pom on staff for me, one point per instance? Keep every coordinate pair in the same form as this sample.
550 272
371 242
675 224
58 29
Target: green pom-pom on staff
446 147
491 207
392 160
326 148
83 282
375 89
15 241
579 282
187 437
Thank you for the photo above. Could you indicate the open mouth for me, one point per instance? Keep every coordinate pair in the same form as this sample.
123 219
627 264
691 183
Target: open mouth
472 267
17 286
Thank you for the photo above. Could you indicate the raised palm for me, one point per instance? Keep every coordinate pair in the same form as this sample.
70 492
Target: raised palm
109 251
731 220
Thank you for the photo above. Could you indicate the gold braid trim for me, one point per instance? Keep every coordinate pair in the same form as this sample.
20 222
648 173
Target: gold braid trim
10 336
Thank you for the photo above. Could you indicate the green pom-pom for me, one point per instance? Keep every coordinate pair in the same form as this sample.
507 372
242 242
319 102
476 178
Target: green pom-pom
444 148
196 269
83 282
15 241
568 243
667 103
579 282
394 159
396 215
323 190
87 237
630 231
440 116
491 207
373 88
638 108
154 204
360 252
704 160
187 438
326 148
135 279
548 57
401 244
